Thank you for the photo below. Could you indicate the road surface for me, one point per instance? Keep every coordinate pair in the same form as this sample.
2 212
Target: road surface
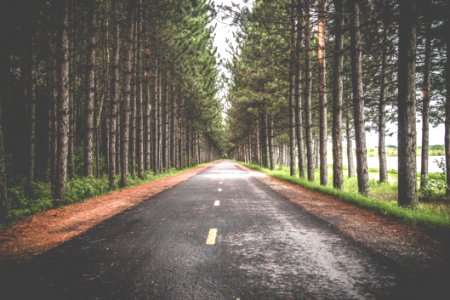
222 234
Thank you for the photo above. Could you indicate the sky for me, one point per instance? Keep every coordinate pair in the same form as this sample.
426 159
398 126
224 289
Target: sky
224 31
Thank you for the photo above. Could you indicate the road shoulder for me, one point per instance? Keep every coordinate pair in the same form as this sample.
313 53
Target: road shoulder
43 231
413 248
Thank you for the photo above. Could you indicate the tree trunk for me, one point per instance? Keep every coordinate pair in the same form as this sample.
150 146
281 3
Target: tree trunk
125 121
114 98
348 134
164 101
323 115
271 163
338 176
4 203
447 112
53 124
32 99
154 122
426 109
381 112
297 94
172 127
307 92
133 109
63 108
141 109
407 194
89 138
358 102
291 92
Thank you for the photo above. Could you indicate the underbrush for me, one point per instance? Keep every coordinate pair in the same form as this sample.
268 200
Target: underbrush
30 198
382 198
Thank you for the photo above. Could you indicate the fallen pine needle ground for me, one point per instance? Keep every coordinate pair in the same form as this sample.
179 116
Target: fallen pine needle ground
43 231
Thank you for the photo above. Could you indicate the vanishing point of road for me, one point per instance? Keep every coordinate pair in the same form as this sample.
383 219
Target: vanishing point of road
222 234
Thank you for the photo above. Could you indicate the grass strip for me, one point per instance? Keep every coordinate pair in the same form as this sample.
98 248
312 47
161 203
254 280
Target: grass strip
420 217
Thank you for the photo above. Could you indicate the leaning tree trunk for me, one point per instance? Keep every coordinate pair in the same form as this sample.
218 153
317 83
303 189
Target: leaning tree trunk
114 98
307 96
426 109
358 103
89 138
407 190
323 116
59 189
338 176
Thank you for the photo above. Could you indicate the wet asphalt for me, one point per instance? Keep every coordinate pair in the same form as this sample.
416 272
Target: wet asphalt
266 248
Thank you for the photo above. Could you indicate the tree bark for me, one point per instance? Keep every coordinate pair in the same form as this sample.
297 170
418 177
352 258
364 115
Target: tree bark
323 114
271 162
133 109
447 112
59 190
89 138
114 98
407 190
382 112
426 108
338 176
291 92
307 92
4 203
297 94
140 94
348 134
358 102
125 121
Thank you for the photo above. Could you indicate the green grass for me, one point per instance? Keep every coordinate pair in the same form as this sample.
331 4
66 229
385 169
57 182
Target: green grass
30 198
382 199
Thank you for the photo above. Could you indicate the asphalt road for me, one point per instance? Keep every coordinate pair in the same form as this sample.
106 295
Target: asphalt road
265 248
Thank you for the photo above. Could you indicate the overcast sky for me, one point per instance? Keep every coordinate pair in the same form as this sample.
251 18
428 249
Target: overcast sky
224 31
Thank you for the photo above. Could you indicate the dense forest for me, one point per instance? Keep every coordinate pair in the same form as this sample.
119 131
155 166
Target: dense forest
311 73
99 94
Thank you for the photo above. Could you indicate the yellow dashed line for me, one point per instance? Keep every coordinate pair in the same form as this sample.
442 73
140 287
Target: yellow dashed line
211 240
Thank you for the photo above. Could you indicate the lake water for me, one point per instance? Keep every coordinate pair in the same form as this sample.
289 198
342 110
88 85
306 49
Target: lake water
392 163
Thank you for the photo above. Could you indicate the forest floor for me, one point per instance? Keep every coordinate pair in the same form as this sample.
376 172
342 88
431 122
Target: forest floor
43 231
415 249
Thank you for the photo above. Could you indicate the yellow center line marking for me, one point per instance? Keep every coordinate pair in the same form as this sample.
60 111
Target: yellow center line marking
217 203
219 189
211 240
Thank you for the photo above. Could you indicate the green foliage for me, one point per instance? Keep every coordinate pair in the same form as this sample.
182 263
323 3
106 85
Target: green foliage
30 198
436 185
85 187
426 216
